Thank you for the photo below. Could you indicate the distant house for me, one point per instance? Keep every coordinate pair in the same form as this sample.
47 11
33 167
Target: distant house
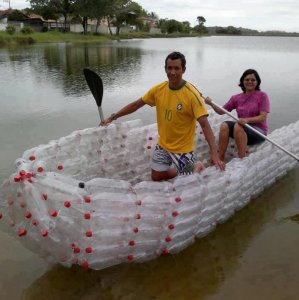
3 19
38 23
151 23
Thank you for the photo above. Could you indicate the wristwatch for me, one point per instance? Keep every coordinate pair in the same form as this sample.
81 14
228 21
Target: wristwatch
113 117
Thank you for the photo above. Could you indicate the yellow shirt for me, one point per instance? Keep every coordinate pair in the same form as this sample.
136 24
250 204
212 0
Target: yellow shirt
177 112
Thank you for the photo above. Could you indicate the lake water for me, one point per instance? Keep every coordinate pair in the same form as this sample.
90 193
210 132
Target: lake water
43 96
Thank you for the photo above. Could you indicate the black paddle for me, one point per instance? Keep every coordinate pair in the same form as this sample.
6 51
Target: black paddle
95 84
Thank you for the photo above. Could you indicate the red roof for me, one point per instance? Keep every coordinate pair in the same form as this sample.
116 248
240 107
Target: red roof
4 13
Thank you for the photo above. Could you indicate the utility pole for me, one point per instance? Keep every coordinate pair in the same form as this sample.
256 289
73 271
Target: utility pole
8 3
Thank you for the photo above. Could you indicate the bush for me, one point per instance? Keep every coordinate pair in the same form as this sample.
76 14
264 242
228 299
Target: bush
10 29
27 30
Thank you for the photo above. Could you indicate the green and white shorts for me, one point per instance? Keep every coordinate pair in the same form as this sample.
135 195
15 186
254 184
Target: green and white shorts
163 160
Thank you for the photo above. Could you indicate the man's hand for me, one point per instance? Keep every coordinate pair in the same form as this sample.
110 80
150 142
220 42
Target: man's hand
106 121
219 164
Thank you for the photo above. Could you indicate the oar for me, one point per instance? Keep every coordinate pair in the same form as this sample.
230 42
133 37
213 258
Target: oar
95 84
256 131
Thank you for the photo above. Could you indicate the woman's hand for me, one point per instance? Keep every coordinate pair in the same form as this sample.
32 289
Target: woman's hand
242 121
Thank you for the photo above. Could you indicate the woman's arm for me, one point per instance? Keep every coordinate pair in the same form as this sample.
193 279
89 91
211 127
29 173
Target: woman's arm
208 101
258 119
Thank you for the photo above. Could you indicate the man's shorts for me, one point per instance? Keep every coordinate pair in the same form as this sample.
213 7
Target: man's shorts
252 137
162 161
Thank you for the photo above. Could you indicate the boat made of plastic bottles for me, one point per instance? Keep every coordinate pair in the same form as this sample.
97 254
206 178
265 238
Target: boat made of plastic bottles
88 199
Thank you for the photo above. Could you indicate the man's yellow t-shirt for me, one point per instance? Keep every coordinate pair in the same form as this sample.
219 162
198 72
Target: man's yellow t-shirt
177 112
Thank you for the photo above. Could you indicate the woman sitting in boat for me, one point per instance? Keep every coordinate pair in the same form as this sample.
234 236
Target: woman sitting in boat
252 107
178 106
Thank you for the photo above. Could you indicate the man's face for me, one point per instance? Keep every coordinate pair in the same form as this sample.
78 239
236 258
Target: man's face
174 72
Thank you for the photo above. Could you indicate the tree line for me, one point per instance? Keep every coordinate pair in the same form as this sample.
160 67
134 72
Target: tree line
117 13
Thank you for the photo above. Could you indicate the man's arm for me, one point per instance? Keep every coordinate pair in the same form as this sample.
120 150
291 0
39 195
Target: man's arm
126 110
210 138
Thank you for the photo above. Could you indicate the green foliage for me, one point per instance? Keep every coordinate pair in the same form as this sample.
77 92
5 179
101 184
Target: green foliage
52 8
228 30
7 40
186 27
76 19
16 15
171 26
27 30
200 28
10 29
95 9
144 27
201 20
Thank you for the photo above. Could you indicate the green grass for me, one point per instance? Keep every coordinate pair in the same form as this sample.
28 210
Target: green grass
53 37
7 40
14 40
48 37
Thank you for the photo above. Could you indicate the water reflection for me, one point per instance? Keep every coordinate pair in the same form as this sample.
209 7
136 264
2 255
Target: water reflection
62 64
65 62
195 273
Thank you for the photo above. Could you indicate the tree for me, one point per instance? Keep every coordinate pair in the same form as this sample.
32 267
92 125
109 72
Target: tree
201 20
96 9
200 28
153 16
16 15
232 30
100 10
124 12
170 26
228 30
186 27
64 7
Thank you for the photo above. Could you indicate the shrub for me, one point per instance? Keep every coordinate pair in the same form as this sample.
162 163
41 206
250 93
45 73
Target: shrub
10 29
27 30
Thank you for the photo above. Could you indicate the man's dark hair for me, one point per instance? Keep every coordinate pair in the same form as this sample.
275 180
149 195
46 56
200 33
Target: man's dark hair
249 72
176 55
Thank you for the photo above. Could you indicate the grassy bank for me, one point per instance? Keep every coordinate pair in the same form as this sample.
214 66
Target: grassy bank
7 40
16 39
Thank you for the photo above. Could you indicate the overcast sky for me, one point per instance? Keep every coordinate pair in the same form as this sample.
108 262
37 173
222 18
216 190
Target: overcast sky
253 14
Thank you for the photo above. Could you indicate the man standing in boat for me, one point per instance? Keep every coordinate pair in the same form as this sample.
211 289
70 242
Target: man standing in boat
178 106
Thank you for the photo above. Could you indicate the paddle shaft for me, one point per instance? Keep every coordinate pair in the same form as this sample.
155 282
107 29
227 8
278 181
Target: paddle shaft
256 131
101 113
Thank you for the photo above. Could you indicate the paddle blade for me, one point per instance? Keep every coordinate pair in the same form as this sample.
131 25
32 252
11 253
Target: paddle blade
95 84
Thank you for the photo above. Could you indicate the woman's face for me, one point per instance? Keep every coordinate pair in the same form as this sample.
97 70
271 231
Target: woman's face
250 83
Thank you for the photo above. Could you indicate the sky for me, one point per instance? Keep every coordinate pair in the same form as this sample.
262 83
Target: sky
254 14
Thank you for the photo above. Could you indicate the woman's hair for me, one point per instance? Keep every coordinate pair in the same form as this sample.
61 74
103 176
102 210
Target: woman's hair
176 55
249 72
